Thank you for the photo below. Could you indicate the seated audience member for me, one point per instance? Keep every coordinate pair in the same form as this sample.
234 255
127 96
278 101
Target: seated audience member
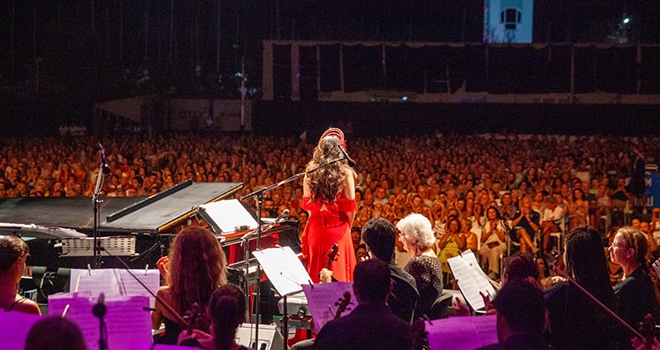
371 325
55 333
226 311
469 238
635 291
645 229
417 238
576 322
524 225
197 266
521 317
550 220
492 242
450 243
13 252
379 236
361 252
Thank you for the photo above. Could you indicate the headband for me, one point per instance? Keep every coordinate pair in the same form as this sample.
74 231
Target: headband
336 133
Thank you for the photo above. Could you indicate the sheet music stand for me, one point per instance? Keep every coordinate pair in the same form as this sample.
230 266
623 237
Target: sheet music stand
287 275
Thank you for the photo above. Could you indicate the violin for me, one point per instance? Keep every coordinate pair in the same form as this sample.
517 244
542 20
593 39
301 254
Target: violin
343 304
192 316
332 255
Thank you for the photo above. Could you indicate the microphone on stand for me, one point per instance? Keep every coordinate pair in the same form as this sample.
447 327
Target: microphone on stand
104 162
284 215
100 309
350 161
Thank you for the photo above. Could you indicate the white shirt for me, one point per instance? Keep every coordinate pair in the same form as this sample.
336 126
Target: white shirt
553 215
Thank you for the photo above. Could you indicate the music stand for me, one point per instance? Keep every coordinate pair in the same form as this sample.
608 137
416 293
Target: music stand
287 275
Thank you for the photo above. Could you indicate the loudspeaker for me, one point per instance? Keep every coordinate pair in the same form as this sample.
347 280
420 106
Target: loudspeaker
270 337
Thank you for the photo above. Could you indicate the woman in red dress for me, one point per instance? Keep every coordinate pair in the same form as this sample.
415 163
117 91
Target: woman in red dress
329 197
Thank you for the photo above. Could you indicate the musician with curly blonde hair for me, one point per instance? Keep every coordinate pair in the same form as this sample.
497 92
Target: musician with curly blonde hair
329 197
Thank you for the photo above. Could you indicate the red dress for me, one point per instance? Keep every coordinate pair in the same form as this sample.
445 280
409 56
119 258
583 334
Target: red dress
325 228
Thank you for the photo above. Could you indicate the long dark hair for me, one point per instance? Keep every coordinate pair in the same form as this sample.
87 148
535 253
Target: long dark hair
198 266
325 183
227 308
585 262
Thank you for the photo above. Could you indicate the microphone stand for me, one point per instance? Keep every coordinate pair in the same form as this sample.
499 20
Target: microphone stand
99 311
97 215
259 194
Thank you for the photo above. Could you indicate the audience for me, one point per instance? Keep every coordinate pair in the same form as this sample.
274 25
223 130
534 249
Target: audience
371 325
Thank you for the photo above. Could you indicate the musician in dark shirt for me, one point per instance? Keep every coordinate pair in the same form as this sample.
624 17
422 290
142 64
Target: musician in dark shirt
379 235
521 317
371 325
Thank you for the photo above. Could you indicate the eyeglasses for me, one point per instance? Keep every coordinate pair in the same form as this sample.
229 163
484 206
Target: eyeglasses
615 245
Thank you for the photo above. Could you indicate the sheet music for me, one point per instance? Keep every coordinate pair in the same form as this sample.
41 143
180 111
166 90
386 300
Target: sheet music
116 282
471 280
285 271
129 286
79 312
323 300
462 333
466 282
227 214
96 281
15 327
484 285
126 319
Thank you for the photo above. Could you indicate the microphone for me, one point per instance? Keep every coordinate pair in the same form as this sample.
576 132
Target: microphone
104 162
99 309
350 161
282 216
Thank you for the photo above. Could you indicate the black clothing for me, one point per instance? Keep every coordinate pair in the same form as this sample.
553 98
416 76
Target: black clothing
403 299
427 272
636 297
524 223
576 322
171 334
368 326
520 342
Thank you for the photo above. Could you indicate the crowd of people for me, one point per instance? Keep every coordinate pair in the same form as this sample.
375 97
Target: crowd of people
479 192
